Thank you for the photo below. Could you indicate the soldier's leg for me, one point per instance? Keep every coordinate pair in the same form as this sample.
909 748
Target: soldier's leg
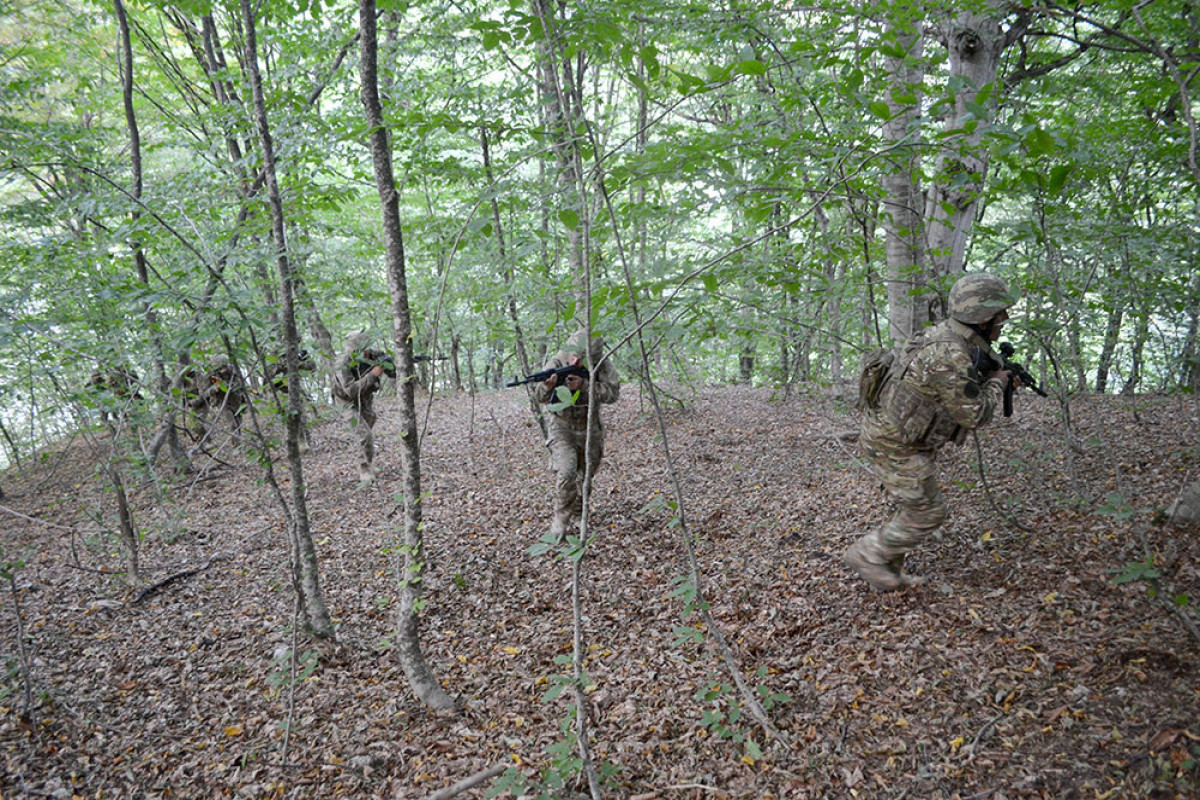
911 480
366 437
564 459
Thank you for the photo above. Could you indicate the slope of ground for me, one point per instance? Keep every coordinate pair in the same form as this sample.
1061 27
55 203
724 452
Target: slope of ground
1021 669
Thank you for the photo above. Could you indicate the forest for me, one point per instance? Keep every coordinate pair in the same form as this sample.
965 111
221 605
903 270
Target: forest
210 589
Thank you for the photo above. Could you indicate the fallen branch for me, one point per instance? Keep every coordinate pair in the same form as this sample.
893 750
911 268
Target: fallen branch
154 587
468 783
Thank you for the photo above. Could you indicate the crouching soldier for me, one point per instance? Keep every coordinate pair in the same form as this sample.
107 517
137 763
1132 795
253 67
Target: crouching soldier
357 376
116 388
276 374
567 428
221 390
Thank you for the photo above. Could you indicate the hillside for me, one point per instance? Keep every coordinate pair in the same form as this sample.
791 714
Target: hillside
1019 670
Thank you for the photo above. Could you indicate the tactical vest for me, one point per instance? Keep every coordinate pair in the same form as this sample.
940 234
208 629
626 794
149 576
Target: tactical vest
920 419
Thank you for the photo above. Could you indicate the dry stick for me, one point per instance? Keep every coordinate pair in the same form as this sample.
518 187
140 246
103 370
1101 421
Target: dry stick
716 633
22 656
986 727
1009 519
1177 610
468 783
291 709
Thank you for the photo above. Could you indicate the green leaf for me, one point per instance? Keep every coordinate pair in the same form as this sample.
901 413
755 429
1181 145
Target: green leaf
1058 177
710 281
569 218
751 68
1040 143
879 109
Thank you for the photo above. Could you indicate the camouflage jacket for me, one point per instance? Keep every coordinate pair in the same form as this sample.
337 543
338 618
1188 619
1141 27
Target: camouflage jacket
351 389
935 393
603 385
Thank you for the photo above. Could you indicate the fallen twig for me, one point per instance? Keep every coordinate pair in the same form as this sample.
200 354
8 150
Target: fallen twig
154 587
469 782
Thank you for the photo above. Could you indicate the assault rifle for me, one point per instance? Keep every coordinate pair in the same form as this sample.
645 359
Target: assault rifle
369 359
544 375
987 365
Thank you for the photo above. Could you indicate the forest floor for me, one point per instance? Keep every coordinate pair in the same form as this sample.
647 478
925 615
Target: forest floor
1020 669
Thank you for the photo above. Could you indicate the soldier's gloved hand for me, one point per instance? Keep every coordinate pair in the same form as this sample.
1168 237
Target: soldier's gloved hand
1007 378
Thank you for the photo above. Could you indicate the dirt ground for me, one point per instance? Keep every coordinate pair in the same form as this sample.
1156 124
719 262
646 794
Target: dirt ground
1022 668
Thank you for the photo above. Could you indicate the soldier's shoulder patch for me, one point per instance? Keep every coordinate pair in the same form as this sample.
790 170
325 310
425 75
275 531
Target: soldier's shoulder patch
971 389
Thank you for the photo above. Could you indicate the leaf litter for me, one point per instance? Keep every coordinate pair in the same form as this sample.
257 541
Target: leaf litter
1020 669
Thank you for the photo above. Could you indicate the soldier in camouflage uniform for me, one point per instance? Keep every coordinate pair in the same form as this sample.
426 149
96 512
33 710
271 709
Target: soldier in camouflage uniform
357 375
567 429
221 390
934 394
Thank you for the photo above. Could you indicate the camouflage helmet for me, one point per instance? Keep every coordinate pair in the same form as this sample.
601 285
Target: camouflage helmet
576 345
978 297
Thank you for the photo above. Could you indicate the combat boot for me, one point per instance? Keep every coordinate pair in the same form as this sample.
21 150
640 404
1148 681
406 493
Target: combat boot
907 581
878 576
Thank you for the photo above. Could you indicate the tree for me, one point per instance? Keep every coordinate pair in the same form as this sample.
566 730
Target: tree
412 551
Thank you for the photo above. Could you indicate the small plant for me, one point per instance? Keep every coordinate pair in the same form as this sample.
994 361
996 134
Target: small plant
281 667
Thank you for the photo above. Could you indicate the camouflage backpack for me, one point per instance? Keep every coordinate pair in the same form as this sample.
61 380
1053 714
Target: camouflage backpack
873 375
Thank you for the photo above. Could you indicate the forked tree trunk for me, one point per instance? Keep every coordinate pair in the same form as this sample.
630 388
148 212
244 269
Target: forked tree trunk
408 640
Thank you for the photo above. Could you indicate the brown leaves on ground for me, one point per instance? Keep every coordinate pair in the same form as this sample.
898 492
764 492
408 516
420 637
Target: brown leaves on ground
1020 669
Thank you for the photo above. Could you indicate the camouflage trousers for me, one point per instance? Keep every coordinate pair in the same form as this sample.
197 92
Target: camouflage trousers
362 420
910 478
567 444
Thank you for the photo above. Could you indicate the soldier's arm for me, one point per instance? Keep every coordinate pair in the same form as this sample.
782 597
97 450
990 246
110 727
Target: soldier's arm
543 393
605 386
970 399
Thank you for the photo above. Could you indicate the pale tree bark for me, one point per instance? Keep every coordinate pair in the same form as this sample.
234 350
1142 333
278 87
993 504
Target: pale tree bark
907 310
408 642
560 109
305 568
974 41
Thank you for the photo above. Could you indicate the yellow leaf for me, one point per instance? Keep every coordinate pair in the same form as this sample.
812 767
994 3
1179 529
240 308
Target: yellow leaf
987 536
974 614
901 723
1050 598
233 730
512 651
748 760
956 743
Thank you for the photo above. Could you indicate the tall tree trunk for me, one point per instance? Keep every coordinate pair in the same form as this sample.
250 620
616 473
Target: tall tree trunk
408 642
305 568
169 433
974 41
506 274
559 106
1112 332
1141 332
908 309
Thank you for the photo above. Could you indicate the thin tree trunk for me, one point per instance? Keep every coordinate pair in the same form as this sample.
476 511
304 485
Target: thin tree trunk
1112 332
305 568
408 642
170 435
